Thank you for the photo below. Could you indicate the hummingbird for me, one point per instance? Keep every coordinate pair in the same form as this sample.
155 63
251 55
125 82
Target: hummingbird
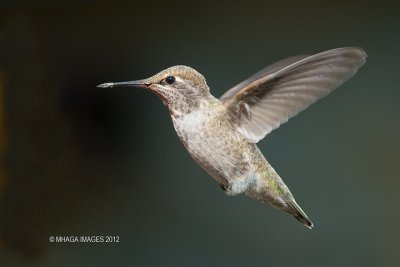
221 135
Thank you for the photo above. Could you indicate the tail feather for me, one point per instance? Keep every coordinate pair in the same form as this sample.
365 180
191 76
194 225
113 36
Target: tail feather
287 204
299 214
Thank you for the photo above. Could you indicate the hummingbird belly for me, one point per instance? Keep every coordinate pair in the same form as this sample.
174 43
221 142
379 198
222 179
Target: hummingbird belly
219 150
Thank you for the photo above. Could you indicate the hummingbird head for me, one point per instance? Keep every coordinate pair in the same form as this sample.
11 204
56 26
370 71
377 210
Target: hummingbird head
181 88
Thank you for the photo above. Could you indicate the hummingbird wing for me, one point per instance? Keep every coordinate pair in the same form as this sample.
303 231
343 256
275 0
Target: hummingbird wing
272 96
262 73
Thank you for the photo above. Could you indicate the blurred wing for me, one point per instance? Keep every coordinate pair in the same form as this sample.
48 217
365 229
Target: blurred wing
262 73
272 96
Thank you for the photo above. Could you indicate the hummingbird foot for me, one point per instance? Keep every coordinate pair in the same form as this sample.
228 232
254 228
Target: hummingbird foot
225 187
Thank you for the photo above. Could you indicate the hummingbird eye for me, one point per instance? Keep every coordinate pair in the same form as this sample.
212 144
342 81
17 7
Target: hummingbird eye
170 79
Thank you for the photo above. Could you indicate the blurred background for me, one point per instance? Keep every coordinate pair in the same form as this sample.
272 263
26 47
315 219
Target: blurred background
79 160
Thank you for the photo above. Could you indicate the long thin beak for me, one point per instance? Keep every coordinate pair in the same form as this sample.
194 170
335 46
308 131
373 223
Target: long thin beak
139 84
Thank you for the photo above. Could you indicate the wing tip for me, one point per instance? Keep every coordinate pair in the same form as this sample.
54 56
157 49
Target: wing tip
356 51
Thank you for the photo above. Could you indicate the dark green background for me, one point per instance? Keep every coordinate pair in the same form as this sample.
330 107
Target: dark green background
86 161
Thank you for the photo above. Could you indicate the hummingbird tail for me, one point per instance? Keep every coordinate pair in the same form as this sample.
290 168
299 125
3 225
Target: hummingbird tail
299 214
287 204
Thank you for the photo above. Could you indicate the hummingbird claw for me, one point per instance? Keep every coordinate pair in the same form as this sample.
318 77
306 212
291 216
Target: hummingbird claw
225 187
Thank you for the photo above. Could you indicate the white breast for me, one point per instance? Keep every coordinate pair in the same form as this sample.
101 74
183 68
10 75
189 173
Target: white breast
191 124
